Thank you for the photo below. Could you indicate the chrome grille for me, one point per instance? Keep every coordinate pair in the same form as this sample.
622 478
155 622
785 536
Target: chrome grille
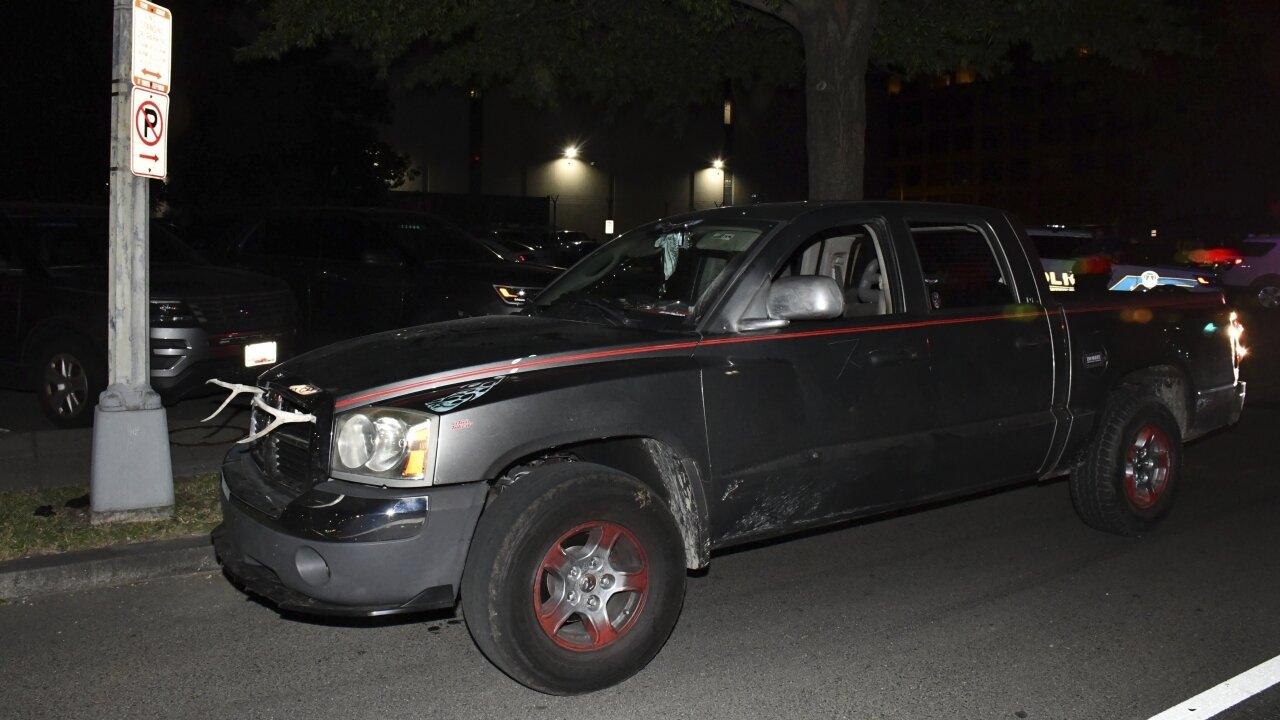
243 311
285 454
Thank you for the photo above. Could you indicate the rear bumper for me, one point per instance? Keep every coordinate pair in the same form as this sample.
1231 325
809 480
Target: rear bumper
345 549
183 359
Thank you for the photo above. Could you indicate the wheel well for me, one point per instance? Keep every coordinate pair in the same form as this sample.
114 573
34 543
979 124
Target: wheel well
1169 385
652 462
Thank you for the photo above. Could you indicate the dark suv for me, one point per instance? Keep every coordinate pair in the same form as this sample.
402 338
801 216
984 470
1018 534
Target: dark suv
205 321
356 271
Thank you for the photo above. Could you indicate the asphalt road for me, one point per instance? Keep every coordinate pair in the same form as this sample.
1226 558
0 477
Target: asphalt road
1004 606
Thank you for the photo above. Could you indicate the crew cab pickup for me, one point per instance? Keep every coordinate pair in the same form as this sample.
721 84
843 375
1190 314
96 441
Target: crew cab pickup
700 382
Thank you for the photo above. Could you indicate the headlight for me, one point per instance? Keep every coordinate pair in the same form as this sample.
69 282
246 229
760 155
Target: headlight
382 446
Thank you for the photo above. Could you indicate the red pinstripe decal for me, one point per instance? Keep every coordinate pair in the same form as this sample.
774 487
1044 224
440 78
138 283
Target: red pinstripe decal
643 349
495 369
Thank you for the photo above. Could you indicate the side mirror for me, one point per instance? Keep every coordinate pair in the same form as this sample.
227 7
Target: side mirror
799 297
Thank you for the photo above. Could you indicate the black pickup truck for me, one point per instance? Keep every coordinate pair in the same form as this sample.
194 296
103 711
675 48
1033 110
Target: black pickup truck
704 381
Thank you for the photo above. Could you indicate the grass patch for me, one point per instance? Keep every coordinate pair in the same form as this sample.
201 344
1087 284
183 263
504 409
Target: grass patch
40 522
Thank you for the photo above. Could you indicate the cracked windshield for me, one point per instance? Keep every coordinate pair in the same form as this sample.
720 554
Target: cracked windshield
661 276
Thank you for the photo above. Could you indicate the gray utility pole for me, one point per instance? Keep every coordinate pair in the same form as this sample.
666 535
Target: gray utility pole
132 475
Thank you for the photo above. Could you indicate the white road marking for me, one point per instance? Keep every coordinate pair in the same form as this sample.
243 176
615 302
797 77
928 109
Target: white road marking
1226 695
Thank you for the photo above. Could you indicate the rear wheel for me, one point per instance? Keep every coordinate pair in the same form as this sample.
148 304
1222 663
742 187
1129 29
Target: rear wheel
69 376
1126 482
575 579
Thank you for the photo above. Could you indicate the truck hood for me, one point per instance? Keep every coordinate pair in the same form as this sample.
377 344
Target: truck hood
401 362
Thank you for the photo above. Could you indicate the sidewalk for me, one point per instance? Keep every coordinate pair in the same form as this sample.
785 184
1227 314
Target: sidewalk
33 455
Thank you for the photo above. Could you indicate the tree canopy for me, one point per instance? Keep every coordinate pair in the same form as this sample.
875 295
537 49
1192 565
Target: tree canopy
672 54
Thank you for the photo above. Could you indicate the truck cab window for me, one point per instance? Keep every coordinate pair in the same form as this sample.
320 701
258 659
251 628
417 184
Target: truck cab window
960 268
852 257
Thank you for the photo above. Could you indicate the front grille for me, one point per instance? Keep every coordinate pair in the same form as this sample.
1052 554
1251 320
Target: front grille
285 453
242 312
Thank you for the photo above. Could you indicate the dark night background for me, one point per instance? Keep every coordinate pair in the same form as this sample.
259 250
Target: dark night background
1190 143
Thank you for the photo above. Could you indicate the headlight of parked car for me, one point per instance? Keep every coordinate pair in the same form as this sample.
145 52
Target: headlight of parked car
383 446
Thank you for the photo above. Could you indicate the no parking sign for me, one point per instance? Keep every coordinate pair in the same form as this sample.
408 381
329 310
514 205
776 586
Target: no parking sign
148 143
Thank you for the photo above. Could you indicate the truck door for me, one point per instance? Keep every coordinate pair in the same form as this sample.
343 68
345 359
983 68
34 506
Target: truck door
992 356
823 418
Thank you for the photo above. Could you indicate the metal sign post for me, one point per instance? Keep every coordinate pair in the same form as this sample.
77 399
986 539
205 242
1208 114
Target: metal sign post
132 474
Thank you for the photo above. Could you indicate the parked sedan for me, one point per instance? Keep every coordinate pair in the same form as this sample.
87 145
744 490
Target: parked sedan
205 321
537 244
356 271
513 249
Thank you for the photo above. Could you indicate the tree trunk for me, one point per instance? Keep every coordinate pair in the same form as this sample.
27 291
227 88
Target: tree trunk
837 43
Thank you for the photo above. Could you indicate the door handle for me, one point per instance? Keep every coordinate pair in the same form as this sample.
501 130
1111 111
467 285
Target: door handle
1029 341
881 358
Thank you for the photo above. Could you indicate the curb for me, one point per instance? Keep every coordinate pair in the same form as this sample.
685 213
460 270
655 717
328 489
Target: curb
106 567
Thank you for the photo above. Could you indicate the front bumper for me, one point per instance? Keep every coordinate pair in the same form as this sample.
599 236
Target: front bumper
343 548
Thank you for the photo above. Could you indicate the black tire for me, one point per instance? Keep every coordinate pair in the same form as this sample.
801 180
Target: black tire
596 632
69 374
1126 482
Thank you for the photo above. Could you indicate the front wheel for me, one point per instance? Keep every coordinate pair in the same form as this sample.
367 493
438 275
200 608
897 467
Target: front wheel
575 578
1126 482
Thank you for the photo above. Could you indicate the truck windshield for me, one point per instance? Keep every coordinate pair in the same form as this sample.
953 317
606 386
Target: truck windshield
660 276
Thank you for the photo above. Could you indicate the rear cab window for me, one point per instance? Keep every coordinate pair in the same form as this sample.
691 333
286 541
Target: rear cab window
963 268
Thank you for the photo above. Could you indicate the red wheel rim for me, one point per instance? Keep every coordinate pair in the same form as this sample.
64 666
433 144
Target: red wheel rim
1147 467
591 586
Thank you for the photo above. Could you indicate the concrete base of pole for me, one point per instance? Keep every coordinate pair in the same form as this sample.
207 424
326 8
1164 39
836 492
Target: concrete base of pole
132 475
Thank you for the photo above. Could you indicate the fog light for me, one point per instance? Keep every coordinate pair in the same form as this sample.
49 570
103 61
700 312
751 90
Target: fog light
311 566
